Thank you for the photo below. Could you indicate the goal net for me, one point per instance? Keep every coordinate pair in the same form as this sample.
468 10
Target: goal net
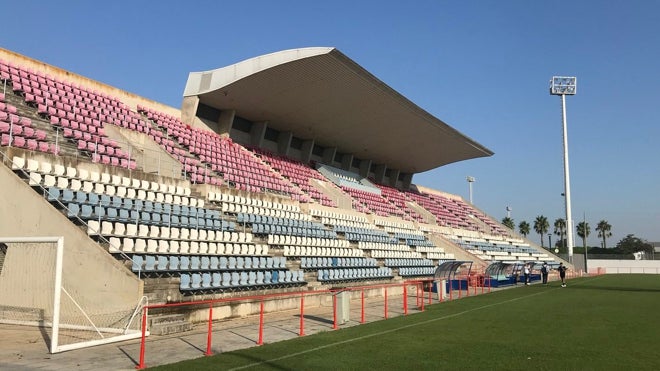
36 291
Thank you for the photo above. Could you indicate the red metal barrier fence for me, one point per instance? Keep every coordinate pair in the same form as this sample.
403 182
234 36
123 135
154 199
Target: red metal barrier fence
421 287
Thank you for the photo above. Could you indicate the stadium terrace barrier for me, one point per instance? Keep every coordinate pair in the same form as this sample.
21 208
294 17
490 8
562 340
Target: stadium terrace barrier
421 289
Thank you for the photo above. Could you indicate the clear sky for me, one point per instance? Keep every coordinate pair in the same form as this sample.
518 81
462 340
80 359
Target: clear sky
481 66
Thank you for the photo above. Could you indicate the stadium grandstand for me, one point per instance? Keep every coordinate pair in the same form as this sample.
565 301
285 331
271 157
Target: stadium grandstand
285 172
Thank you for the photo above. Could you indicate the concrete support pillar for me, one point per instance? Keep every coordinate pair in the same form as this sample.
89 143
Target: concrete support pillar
346 161
257 133
379 173
406 180
225 121
329 155
306 151
189 109
284 142
364 168
394 175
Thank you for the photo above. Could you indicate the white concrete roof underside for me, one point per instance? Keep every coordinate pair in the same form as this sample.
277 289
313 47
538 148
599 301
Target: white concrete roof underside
321 94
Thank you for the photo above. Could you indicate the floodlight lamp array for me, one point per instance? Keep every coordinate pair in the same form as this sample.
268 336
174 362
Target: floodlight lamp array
562 85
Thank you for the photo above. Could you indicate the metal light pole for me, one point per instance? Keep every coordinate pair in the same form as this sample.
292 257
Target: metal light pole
470 180
562 86
549 241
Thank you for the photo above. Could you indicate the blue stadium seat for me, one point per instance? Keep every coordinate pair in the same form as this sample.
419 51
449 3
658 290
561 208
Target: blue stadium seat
196 281
184 263
205 263
206 280
73 209
174 263
226 279
217 280
53 194
185 282
138 263
162 263
149 263
235 279
195 263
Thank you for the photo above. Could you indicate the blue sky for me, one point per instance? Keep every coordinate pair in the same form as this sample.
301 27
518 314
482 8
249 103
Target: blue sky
481 66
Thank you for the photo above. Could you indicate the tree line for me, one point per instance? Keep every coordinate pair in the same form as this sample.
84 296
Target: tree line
628 245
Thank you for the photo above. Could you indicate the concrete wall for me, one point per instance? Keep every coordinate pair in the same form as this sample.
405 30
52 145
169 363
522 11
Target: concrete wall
99 282
624 266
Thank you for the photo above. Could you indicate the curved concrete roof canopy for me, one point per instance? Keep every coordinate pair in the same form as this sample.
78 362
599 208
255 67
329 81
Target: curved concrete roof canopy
321 94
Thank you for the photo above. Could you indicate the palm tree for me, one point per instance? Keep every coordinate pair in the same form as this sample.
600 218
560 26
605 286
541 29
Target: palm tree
560 229
541 226
508 222
523 227
604 229
583 231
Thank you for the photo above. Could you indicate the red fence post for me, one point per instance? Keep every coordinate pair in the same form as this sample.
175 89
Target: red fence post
362 300
261 324
302 314
386 302
209 336
421 285
405 300
451 289
141 365
334 310
430 293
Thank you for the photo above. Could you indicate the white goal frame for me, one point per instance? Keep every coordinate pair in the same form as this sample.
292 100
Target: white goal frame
55 347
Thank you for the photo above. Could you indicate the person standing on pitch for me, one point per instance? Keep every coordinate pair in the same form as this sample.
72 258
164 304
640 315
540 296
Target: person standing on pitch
562 274
544 272
526 274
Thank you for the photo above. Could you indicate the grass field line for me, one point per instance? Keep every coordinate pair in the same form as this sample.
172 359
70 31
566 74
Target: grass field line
449 316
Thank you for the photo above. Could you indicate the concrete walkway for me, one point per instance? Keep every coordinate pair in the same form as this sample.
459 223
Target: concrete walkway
26 348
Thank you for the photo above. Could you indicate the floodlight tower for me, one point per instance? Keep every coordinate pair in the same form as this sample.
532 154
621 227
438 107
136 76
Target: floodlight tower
563 86
470 180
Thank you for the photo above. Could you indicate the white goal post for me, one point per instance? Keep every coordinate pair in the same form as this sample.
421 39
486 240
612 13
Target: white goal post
33 292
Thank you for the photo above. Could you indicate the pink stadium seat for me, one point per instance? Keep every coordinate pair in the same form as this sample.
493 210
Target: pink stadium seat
40 134
43 146
28 132
31 144
19 141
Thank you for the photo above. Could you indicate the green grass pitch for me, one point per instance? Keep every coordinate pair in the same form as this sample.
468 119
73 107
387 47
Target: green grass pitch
607 322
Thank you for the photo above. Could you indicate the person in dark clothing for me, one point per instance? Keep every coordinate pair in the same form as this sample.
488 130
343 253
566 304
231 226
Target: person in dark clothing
562 274
544 273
